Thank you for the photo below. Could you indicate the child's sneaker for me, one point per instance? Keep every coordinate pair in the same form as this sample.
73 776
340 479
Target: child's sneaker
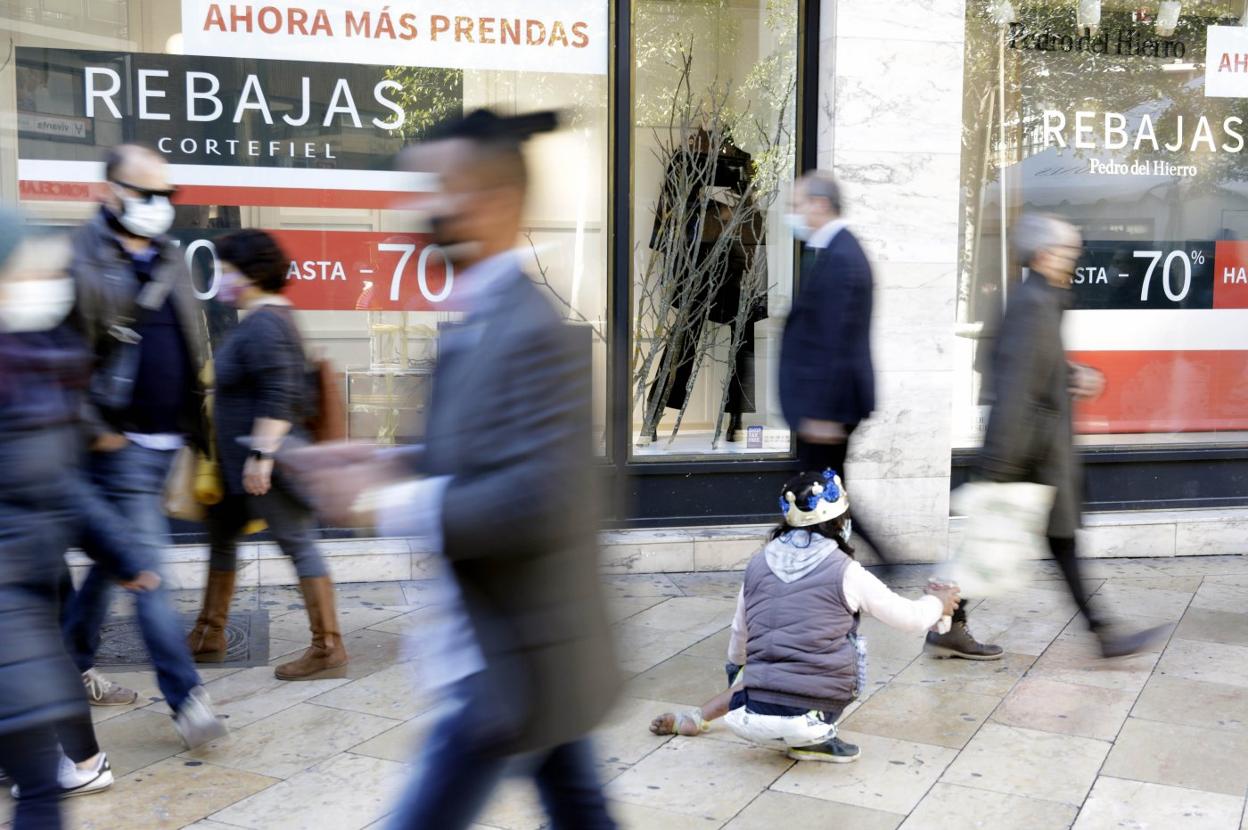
834 751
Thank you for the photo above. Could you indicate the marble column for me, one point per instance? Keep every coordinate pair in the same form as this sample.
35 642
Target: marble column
890 117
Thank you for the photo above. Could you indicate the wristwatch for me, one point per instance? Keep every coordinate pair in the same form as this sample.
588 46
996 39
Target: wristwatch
260 455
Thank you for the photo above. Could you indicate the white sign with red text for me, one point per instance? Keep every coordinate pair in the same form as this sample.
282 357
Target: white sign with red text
1226 62
519 35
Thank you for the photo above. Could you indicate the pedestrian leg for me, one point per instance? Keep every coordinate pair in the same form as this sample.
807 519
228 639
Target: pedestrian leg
31 759
568 784
1065 554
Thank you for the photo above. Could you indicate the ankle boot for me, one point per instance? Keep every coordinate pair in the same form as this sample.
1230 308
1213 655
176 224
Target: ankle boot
326 657
207 640
959 642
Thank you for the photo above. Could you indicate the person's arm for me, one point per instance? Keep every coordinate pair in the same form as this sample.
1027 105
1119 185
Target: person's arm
277 386
739 636
865 592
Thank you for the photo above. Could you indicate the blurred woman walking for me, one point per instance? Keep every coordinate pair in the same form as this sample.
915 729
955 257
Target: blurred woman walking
262 401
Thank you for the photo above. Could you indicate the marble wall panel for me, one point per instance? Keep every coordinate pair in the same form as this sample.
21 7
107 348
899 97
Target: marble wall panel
908 436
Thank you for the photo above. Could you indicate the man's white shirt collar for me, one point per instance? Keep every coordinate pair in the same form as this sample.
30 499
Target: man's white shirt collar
823 237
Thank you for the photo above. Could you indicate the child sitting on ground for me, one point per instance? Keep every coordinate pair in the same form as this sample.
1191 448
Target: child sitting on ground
796 630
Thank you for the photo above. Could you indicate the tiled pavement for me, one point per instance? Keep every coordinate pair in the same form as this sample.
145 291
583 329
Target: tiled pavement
1046 738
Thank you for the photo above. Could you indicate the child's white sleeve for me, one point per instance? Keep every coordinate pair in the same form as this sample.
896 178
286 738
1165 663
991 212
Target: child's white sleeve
738 639
865 592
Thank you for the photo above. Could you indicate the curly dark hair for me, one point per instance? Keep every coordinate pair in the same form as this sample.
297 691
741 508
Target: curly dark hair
258 257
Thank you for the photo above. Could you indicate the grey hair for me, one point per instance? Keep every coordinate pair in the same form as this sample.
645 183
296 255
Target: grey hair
1036 232
820 184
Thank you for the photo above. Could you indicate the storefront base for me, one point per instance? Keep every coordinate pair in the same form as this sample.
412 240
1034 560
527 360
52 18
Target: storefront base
1142 533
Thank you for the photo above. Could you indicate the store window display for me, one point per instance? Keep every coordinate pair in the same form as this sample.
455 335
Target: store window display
1130 124
298 139
714 132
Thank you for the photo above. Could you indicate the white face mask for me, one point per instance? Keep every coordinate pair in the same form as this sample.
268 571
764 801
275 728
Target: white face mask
797 224
847 531
145 217
35 305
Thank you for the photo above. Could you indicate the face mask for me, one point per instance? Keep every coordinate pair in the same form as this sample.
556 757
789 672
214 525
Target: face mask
797 224
35 305
847 530
145 217
231 288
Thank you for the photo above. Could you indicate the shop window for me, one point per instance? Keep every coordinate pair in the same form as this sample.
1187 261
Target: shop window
1129 120
297 137
714 139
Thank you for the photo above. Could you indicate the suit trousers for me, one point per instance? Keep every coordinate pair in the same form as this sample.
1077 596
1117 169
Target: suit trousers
458 772
815 458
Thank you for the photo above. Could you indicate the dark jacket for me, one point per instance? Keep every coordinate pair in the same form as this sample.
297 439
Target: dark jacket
1029 436
260 373
107 291
826 371
798 647
40 375
509 421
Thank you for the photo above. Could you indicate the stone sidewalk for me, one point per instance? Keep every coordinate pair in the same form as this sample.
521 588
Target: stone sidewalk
1046 738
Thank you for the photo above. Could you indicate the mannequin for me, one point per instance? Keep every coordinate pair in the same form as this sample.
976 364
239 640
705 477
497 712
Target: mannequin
730 181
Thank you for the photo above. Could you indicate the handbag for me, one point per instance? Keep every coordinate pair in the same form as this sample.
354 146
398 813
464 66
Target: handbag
1006 523
328 419
181 487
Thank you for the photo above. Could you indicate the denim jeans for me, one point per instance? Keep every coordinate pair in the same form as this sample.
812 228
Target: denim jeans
132 480
30 758
457 773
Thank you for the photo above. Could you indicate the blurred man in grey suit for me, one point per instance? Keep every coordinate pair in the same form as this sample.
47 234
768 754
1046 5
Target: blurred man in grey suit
505 491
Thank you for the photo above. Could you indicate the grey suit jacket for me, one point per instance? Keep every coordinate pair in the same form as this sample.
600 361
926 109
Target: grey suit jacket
509 422
1029 436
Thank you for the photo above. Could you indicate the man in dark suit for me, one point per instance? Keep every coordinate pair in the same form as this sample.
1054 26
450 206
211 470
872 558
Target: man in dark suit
505 492
1030 436
827 379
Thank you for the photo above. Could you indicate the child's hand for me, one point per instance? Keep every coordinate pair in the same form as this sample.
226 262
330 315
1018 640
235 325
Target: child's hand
950 595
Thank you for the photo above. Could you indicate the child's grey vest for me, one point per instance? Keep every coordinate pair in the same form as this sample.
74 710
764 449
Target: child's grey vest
798 647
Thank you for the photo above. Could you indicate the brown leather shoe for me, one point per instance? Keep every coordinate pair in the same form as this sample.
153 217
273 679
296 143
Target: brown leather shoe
207 640
958 642
326 657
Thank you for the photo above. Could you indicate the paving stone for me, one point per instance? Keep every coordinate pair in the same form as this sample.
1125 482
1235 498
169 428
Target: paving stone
682 679
250 695
347 791
953 807
714 647
1211 662
773 810
1030 763
637 817
137 739
624 737
1211 626
1180 756
890 776
1052 706
401 743
926 714
389 693
1115 803
168 794
640 585
977 677
1193 702
291 741
1116 599
293 625
1077 660
697 615
697 777
719 585
642 647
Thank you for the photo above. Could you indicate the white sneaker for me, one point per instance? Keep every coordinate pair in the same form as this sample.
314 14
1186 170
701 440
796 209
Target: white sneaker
103 692
195 720
95 778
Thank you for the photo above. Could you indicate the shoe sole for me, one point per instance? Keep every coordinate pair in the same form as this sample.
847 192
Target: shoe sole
324 674
946 653
99 784
823 758
107 703
210 657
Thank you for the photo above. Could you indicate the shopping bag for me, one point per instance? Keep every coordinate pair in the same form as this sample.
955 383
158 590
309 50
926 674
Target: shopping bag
180 501
1006 523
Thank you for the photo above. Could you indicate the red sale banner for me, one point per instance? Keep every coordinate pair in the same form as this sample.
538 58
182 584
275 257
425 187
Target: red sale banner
346 270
